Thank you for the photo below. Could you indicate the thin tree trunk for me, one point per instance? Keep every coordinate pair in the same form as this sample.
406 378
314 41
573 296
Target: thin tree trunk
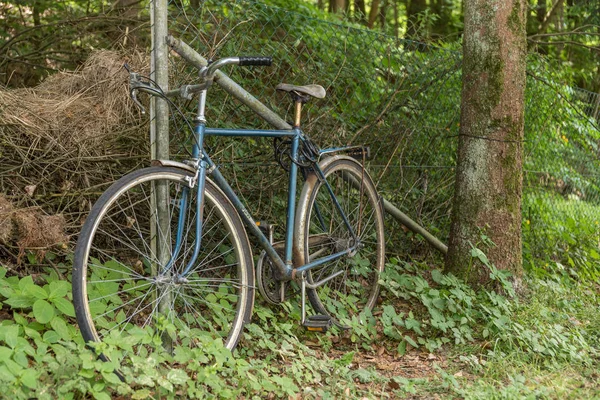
382 14
413 9
442 9
337 6
396 20
360 12
550 16
489 172
541 11
373 13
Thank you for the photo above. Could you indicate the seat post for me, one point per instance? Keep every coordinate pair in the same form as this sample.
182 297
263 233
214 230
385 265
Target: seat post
298 114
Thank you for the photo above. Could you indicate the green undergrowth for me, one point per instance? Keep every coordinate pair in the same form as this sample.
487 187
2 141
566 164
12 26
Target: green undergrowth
485 344
544 344
42 355
561 236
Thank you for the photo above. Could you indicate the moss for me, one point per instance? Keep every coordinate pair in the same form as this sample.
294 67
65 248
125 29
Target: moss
515 19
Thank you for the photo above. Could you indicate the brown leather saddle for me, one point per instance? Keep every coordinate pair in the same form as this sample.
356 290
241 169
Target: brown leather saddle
302 93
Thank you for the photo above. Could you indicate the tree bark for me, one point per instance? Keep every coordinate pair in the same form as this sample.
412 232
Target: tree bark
489 174
413 9
382 14
337 6
373 13
442 9
360 12
541 11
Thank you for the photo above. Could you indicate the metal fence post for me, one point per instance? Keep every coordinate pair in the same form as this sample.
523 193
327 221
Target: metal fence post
160 223
160 53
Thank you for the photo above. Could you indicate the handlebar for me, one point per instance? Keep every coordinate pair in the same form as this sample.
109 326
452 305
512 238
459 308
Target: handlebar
207 74
211 70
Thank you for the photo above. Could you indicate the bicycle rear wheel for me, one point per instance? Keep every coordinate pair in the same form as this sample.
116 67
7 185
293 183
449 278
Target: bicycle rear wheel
119 279
321 231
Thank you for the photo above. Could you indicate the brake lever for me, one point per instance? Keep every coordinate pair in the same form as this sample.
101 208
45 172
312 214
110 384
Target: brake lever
133 94
134 83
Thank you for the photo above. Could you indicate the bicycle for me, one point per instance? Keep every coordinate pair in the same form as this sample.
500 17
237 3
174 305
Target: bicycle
166 249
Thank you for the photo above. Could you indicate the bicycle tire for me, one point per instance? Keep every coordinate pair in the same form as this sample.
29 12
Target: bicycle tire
321 232
116 265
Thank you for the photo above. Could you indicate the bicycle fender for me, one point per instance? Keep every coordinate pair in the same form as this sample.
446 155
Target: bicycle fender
171 163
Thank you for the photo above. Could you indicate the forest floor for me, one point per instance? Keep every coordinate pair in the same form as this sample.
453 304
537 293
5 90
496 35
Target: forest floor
545 344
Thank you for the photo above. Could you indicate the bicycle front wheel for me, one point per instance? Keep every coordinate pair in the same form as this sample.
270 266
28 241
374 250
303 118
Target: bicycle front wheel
322 231
131 255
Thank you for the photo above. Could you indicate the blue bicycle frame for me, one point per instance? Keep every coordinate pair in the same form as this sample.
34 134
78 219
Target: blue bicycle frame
205 166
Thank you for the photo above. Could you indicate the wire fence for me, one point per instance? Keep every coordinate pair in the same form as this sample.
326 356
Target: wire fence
402 98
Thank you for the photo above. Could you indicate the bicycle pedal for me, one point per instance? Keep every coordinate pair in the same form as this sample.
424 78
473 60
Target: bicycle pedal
318 323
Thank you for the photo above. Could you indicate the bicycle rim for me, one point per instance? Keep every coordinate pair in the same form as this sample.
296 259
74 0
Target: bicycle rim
324 232
120 286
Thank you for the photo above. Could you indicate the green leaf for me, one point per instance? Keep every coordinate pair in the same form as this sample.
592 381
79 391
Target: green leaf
437 276
411 341
43 311
19 319
64 306
165 384
36 291
101 396
476 253
5 289
11 335
60 326
51 337
58 289
177 376
21 358
111 377
402 348
20 301
29 378
5 352
141 394
25 282
6 375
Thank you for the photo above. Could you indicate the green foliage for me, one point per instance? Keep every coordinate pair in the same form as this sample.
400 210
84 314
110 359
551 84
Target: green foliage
455 313
561 236
42 355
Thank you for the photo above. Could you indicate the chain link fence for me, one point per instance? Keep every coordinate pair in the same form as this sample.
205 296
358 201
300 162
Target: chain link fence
402 98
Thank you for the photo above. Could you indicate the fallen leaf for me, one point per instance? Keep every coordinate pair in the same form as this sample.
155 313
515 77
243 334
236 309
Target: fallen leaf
29 189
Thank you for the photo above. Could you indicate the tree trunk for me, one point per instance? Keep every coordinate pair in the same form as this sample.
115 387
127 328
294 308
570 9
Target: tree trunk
541 11
337 6
489 174
413 9
550 16
360 12
396 20
442 9
382 14
373 13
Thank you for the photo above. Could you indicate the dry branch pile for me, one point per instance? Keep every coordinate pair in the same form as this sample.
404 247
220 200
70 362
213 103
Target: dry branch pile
62 141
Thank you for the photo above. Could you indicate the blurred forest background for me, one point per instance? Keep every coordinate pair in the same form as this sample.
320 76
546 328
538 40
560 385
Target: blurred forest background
392 70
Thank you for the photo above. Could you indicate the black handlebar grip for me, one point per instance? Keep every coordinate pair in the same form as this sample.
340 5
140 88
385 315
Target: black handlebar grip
256 61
